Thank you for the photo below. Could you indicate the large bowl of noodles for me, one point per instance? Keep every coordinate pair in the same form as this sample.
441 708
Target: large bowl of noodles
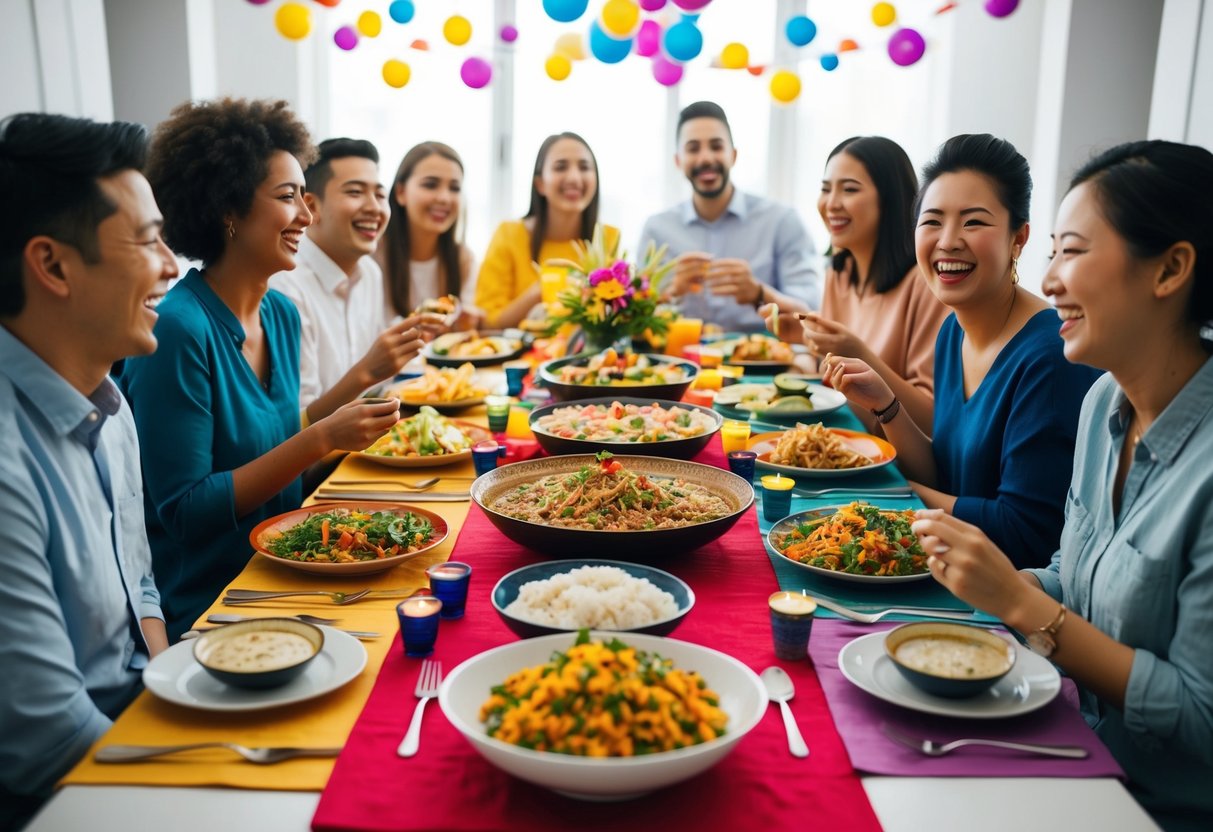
648 508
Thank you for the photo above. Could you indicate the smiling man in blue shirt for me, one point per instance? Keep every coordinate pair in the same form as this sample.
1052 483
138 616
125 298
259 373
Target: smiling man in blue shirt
81 266
734 251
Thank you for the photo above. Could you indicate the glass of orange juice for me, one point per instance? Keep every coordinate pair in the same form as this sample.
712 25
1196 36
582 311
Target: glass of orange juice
734 435
682 332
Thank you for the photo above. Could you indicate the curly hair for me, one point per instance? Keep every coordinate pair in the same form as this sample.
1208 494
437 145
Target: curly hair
208 158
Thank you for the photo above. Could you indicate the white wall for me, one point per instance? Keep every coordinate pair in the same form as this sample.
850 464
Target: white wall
53 56
1200 117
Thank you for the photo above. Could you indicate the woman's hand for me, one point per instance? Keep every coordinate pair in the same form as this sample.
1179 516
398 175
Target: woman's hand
969 565
356 425
857 381
823 336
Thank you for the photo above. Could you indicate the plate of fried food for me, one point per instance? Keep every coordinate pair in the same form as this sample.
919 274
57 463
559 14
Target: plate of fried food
817 451
425 440
857 542
757 352
446 389
456 348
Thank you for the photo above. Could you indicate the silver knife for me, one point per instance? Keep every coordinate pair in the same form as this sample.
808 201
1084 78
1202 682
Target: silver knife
358 634
395 496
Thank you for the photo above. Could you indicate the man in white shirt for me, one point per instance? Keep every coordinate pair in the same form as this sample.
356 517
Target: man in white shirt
338 287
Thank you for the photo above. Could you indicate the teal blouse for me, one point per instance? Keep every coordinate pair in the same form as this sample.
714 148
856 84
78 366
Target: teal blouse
201 412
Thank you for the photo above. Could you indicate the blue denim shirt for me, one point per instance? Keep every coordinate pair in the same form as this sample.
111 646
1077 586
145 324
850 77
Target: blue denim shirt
77 573
767 235
1145 577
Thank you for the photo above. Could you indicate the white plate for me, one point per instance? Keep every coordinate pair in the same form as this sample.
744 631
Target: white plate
1032 683
790 522
175 676
825 400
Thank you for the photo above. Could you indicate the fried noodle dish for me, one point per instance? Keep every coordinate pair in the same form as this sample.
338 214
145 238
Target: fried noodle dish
858 539
349 536
604 700
814 446
608 497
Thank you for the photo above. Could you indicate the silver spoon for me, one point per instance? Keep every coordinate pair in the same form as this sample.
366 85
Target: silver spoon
780 689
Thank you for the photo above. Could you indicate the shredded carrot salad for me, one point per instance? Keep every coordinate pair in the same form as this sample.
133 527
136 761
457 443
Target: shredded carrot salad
859 539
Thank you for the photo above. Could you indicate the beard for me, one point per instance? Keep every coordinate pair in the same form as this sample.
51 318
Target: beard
714 192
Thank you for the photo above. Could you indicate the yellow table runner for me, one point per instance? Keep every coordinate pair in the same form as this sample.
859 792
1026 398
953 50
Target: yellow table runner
322 722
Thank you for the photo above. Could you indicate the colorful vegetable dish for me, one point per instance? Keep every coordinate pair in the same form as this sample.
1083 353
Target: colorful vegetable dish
349 535
618 422
859 539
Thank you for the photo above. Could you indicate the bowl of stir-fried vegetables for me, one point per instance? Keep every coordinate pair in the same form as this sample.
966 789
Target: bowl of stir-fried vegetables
425 440
630 713
591 375
648 427
856 542
345 539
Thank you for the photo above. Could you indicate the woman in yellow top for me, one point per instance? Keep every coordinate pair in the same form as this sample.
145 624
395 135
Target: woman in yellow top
564 208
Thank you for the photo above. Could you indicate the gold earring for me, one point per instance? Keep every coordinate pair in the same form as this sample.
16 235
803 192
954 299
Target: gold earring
231 230
1015 271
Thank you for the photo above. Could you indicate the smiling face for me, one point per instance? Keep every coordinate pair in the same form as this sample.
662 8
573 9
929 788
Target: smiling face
352 213
964 241
267 237
849 203
1103 294
431 195
568 180
706 155
113 300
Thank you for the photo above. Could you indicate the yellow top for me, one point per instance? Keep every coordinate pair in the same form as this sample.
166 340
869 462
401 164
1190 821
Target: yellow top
507 270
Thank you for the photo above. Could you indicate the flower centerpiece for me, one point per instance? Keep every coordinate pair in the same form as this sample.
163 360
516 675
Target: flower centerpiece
609 298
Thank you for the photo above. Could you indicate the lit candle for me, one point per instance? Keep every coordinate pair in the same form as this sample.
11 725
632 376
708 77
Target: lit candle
734 435
792 603
710 357
791 623
776 497
450 584
418 617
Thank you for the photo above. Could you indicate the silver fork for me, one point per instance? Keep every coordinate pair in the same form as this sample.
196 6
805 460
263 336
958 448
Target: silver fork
427 688
875 492
236 597
873 617
231 618
935 749
261 756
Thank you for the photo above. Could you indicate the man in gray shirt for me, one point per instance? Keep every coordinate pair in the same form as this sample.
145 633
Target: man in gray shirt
735 251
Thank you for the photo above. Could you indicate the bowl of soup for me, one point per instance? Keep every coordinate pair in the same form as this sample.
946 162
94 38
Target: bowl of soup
954 661
259 653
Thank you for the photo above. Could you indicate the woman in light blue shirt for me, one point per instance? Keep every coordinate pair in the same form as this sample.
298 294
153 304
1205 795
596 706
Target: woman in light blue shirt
1126 606
217 405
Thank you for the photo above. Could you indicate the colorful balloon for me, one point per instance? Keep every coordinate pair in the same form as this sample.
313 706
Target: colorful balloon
476 73
785 86
605 48
619 18
829 62
332 4
734 56
402 11
906 47
800 30
345 38
666 73
652 5
293 21
370 24
396 73
683 41
457 30
509 33
883 14
263 2
690 5
571 45
420 45
756 70
648 39
1001 8
847 45
565 11
558 66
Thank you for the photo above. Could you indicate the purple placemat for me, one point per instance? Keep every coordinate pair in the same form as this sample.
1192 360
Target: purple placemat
858 716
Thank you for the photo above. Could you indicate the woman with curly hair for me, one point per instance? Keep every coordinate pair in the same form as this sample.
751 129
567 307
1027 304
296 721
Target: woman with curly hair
217 405
422 252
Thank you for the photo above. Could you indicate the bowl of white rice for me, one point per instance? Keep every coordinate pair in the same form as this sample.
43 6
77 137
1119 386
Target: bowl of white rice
568 595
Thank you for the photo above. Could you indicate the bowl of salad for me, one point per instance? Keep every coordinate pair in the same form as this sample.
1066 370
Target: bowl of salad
858 542
648 427
593 375
425 440
348 539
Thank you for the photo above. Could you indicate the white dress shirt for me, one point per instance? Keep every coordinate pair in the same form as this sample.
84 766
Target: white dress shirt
340 316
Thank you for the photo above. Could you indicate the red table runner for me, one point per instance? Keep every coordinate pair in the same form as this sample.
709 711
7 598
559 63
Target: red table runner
448 786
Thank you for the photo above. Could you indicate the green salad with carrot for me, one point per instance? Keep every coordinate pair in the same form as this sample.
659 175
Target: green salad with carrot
349 536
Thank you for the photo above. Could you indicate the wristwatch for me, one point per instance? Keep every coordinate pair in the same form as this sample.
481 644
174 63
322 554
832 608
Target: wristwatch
1044 641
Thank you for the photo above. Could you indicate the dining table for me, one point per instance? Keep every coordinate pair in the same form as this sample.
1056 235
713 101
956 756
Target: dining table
855 777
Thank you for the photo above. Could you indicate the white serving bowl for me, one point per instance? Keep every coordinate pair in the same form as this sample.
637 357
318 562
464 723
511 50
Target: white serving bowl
742 697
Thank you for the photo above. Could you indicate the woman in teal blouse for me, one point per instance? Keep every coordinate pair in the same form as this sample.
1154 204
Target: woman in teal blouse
1132 279
217 405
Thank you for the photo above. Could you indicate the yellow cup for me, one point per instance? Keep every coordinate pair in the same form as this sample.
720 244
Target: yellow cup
682 332
708 380
518 426
734 435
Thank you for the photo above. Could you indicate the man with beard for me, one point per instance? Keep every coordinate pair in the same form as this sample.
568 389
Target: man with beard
735 251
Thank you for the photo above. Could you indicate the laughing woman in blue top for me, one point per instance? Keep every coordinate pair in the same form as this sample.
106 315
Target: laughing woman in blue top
217 405
1132 276
1006 400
